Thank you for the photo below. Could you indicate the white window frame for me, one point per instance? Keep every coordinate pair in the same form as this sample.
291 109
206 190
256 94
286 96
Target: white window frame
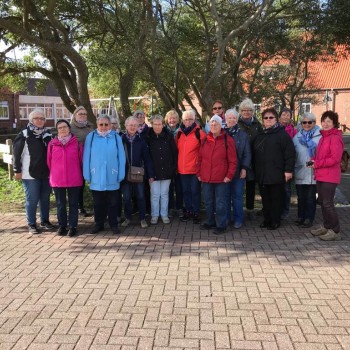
4 110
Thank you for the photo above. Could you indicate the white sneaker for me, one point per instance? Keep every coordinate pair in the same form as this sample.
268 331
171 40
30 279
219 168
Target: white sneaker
319 231
166 220
154 220
125 223
143 224
331 236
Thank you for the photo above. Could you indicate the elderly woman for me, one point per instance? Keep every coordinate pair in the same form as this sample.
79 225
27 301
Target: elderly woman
217 108
81 127
326 164
29 164
64 159
250 124
172 123
274 155
217 163
137 154
104 169
188 141
142 129
115 124
244 157
164 155
305 143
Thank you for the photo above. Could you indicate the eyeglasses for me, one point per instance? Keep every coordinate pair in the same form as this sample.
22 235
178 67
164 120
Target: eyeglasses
215 108
82 113
246 110
62 127
103 124
269 117
307 122
188 120
37 118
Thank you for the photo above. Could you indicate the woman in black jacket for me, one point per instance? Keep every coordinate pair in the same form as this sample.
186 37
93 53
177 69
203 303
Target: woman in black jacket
274 157
164 155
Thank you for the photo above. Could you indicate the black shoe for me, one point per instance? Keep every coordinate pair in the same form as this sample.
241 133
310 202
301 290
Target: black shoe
47 224
306 224
299 222
187 216
273 226
206 226
115 230
72 232
33 229
196 219
62 231
96 229
264 224
219 231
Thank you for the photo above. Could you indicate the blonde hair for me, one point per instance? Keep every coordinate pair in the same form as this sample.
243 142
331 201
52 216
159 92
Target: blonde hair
171 113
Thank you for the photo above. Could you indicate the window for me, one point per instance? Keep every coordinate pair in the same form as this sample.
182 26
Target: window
26 108
305 107
62 112
4 110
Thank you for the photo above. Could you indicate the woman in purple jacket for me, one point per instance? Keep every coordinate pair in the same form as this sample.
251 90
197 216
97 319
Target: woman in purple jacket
64 159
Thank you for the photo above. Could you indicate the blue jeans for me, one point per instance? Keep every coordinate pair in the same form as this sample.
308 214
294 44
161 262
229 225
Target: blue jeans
235 200
160 194
306 202
215 200
73 204
127 190
105 205
191 190
37 191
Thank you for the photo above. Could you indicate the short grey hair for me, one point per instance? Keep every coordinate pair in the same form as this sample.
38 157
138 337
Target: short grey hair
103 116
308 115
157 117
35 112
247 103
232 111
129 119
137 112
189 113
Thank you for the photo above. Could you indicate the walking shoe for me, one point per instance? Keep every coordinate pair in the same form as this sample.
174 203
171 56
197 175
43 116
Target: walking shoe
331 236
319 231
251 214
143 224
154 220
196 219
306 224
115 230
125 223
264 224
299 222
219 231
273 226
47 224
237 225
72 232
165 220
33 229
96 229
206 226
187 216
62 231
180 213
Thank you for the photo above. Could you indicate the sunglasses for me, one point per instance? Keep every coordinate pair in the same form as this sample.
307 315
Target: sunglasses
215 108
104 124
309 122
269 118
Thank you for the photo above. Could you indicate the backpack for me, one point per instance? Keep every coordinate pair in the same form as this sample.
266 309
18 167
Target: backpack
344 161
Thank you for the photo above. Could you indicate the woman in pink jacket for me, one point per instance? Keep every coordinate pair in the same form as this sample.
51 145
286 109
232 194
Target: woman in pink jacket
327 174
64 159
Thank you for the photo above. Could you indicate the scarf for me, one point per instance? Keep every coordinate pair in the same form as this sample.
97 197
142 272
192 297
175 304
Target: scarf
187 130
305 139
141 128
233 130
37 132
81 123
64 139
247 122
103 133
277 125
130 138
173 131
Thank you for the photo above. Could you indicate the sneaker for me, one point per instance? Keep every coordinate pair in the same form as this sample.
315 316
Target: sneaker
62 231
219 231
319 231
143 224
72 232
196 219
33 229
125 223
186 216
47 224
206 226
154 220
331 236
237 225
166 220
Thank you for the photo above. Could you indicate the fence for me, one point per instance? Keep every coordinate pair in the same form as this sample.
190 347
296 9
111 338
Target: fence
6 151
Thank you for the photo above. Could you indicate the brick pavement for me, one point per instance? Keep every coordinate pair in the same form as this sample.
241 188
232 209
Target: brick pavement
174 287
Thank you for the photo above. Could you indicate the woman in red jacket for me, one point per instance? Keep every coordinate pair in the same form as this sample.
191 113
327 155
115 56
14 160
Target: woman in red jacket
327 174
217 164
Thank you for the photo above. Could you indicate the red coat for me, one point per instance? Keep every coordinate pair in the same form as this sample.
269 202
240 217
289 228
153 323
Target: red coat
328 156
217 158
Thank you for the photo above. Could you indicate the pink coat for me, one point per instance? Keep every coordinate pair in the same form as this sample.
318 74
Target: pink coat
65 163
291 130
328 156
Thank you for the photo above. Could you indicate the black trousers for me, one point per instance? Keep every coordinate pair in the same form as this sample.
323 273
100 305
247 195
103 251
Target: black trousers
273 202
249 194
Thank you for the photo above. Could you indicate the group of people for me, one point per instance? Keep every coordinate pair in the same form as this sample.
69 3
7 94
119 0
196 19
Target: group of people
173 165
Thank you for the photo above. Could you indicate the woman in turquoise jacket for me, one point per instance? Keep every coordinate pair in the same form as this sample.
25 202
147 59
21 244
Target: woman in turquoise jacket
104 169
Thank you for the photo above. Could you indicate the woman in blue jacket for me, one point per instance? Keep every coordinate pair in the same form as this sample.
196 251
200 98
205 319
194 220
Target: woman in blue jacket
104 169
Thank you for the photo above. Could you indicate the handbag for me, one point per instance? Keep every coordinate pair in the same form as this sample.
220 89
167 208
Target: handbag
135 173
